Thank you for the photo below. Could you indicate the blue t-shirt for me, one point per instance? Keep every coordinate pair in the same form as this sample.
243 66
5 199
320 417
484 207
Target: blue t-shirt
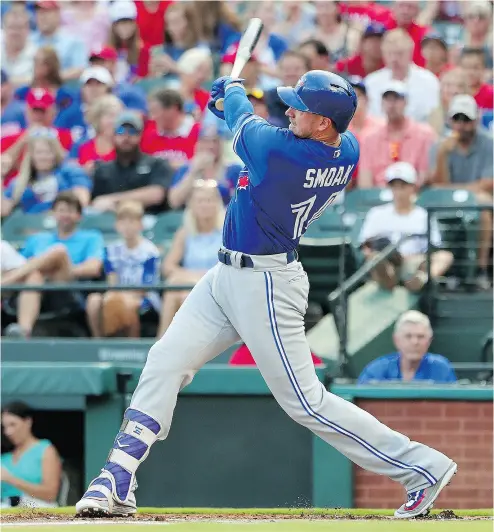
286 183
40 194
13 118
435 368
81 245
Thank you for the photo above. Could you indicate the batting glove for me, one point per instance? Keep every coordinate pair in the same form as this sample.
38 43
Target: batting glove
219 86
216 112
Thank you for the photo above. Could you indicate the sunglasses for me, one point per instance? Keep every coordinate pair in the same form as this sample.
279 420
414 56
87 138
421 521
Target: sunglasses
127 130
461 118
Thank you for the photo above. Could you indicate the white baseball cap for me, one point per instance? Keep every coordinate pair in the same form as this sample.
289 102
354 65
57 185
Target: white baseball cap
397 87
402 171
122 10
99 73
463 104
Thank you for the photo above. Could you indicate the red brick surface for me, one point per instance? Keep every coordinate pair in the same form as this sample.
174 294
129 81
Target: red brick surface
460 429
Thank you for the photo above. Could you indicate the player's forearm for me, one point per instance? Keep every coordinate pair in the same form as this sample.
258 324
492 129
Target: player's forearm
236 105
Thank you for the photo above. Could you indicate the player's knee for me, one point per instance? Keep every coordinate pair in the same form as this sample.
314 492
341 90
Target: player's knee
306 405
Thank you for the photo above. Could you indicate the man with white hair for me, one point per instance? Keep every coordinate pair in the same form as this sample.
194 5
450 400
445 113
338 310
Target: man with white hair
422 86
412 361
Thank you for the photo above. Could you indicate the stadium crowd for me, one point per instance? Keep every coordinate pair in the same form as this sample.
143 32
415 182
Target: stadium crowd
104 110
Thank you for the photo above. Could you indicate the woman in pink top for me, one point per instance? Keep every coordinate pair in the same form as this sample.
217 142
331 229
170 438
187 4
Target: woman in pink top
87 19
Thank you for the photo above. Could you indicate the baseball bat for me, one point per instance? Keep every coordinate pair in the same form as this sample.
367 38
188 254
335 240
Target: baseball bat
246 45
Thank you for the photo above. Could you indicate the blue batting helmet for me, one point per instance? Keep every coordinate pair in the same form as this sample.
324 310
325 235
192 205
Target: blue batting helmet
322 93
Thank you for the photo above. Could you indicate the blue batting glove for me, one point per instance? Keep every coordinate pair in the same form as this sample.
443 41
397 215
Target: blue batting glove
219 86
216 112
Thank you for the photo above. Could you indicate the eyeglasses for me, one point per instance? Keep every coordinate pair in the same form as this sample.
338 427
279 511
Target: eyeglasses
464 119
127 130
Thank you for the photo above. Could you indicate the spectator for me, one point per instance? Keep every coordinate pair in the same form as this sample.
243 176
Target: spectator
195 67
464 161
219 25
194 249
132 175
369 57
362 122
366 13
398 139
28 303
173 134
404 16
207 165
294 19
151 21
422 86
88 19
316 53
453 82
472 61
33 470
13 120
243 357
80 252
390 222
292 66
182 32
134 260
17 50
435 53
412 362
258 101
42 176
70 50
251 71
126 40
101 116
40 113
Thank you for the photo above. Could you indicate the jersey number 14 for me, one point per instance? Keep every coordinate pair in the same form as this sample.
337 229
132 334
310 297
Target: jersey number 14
302 213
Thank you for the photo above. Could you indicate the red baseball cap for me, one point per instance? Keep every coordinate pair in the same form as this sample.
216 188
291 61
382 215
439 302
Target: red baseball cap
107 53
40 99
230 54
46 4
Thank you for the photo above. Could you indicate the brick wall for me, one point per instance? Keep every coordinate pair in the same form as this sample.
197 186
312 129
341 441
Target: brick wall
460 429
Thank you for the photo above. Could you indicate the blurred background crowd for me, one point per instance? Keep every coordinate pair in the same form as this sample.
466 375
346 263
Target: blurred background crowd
104 113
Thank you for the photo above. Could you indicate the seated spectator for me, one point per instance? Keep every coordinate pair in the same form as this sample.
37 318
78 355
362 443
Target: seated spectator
390 222
243 357
218 24
412 362
292 66
453 82
398 139
362 122
101 116
40 113
17 50
251 71
32 471
257 99
195 68
182 33
194 249
316 53
173 134
13 120
28 303
132 175
369 12
294 19
435 52
422 86
369 57
207 165
70 49
463 160
134 260
42 175
88 19
151 21
472 61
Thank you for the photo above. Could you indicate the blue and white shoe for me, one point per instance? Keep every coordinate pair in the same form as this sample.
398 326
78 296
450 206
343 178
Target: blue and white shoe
112 492
419 503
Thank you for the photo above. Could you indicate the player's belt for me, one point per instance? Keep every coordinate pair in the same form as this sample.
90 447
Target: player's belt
245 261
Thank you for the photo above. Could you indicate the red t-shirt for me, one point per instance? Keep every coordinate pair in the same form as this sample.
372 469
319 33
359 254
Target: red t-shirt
367 12
243 357
177 149
88 152
417 33
64 136
152 25
354 66
485 96
201 97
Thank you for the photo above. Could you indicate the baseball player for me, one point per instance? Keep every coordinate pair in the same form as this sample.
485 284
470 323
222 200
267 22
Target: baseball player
258 293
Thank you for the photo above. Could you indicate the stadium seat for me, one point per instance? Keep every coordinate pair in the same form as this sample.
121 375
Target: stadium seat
361 200
150 84
19 226
161 233
103 222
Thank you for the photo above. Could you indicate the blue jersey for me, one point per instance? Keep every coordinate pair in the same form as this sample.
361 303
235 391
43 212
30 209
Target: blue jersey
285 185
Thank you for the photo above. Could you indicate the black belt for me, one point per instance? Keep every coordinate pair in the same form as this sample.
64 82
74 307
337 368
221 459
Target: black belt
246 261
